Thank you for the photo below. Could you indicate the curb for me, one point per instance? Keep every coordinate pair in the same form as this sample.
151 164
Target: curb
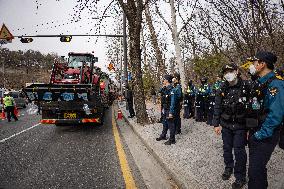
179 183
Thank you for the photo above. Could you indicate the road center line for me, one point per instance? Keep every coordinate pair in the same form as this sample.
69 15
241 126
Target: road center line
126 172
5 139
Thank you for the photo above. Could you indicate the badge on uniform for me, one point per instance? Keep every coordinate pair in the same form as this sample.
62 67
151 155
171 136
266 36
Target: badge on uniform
273 91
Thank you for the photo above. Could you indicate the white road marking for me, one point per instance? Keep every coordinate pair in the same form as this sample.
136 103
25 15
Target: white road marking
5 139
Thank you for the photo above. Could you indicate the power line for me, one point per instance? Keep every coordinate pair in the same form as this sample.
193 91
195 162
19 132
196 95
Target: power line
76 35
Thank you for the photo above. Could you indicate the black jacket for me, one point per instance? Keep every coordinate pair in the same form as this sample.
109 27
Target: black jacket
230 105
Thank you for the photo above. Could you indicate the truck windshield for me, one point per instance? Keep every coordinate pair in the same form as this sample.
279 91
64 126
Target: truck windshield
76 61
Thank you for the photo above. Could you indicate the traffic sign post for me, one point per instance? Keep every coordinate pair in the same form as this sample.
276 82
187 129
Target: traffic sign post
6 34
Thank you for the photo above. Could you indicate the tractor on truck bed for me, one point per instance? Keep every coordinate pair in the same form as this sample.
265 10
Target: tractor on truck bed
73 95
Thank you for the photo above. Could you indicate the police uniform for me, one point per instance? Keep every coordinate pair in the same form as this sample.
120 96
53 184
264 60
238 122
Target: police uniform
211 101
201 101
129 99
176 97
230 102
163 101
188 102
168 124
269 103
9 104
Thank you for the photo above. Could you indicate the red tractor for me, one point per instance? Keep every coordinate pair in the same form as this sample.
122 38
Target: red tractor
73 94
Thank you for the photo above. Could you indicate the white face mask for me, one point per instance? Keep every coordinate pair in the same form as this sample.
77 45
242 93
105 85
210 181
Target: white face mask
252 69
231 76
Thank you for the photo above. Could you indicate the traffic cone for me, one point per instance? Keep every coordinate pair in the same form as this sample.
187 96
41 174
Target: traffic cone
16 112
3 116
119 114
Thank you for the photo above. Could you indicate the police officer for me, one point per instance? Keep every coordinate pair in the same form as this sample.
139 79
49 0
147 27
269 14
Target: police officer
163 101
201 100
129 98
176 102
188 102
229 119
168 121
211 99
269 102
9 105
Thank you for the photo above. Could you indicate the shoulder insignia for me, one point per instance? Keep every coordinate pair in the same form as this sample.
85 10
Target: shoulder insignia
279 77
273 91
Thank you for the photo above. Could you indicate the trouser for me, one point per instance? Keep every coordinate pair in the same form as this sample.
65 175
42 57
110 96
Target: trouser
10 112
200 110
154 99
177 121
162 115
186 113
130 108
168 124
235 139
191 107
259 154
210 110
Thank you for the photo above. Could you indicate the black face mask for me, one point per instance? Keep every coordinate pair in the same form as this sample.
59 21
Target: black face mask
190 83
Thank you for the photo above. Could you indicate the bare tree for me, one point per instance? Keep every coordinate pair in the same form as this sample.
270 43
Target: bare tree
176 34
154 40
133 11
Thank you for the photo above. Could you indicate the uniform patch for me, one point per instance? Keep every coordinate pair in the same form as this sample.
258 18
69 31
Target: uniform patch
273 91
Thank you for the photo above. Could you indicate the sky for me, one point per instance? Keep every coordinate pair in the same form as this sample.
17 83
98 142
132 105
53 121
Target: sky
48 17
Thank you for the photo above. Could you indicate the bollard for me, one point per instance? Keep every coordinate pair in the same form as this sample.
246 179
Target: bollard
119 114
16 112
3 114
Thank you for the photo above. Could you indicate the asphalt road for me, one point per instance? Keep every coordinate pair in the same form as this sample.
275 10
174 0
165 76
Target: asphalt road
46 156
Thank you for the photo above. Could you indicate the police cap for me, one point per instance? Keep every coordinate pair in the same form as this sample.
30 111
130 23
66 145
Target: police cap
265 56
204 79
231 66
177 76
168 78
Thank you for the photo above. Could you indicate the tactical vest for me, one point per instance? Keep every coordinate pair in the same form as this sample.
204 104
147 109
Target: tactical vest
167 98
8 101
234 100
256 116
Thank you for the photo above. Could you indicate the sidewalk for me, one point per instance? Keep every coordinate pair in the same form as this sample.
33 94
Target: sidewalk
196 160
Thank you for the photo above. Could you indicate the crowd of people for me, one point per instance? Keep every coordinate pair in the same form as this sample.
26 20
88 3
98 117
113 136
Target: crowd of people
242 111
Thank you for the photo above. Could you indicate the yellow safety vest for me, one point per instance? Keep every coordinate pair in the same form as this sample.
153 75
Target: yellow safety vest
8 101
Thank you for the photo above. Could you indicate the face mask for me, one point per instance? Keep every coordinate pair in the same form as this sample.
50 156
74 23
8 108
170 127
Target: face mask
252 69
230 76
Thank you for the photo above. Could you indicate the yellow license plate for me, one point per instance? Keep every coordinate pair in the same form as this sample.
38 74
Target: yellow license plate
70 115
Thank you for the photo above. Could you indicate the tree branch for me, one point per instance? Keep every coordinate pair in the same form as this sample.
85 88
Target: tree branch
162 17
188 19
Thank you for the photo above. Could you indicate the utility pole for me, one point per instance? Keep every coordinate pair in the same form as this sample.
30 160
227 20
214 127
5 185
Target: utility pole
3 69
125 50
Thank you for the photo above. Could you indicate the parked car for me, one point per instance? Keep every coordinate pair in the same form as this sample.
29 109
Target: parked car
19 98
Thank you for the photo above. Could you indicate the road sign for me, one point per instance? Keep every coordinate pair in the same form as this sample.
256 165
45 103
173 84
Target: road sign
5 33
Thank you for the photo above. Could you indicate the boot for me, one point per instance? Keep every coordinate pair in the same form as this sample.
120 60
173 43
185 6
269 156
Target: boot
238 184
227 173
161 138
170 142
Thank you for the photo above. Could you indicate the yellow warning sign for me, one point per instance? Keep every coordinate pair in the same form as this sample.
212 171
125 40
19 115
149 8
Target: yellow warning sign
5 33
